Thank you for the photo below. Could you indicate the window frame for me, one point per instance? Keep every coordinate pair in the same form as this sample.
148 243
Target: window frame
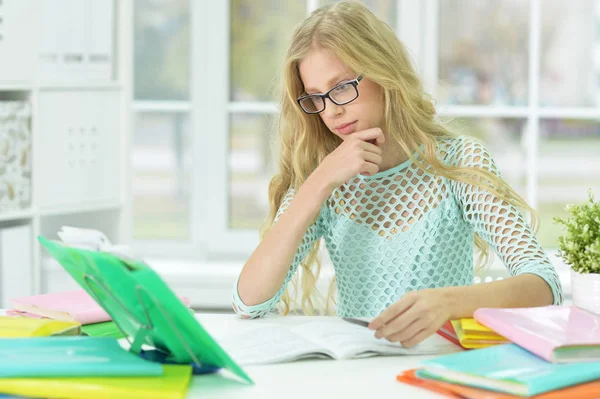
534 113
222 240
417 26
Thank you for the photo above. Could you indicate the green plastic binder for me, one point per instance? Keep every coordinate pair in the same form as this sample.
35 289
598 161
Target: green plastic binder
104 329
143 306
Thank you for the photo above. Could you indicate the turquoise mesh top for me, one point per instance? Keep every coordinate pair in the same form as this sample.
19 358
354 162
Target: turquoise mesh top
404 229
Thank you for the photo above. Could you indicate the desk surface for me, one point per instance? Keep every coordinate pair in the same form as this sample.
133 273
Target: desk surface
308 379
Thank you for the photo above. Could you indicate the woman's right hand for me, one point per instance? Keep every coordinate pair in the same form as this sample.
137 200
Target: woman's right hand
354 155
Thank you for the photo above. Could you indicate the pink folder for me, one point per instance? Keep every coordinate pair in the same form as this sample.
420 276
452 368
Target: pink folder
75 305
559 334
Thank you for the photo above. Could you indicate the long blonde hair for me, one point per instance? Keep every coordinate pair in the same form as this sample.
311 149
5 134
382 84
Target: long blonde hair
370 47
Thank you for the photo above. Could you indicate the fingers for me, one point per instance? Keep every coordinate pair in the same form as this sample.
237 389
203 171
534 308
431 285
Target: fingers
369 169
417 339
393 311
372 134
380 140
400 323
371 148
407 334
372 157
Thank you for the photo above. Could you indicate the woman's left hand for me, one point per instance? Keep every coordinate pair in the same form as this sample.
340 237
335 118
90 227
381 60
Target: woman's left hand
416 316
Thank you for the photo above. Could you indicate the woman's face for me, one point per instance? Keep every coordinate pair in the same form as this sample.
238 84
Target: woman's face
322 70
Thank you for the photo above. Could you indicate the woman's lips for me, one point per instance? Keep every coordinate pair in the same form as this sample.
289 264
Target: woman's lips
346 128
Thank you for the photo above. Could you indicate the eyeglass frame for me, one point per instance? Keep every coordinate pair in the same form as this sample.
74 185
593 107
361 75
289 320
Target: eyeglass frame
324 96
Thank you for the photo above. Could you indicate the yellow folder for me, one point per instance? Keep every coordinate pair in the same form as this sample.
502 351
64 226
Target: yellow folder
473 335
172 384
23 327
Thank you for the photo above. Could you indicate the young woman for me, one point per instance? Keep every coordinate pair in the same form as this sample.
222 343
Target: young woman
399 200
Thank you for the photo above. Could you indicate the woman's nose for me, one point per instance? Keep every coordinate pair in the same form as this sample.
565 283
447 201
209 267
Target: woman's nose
332 109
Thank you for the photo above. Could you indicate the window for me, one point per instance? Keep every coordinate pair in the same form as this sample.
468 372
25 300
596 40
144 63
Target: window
259 35
524 76
161 157
260 32
483 54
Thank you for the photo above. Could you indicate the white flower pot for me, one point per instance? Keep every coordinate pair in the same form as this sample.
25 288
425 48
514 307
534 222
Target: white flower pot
585 289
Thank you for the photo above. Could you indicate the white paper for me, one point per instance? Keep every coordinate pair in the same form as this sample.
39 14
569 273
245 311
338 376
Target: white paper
335 338
348 340
267 344
75 235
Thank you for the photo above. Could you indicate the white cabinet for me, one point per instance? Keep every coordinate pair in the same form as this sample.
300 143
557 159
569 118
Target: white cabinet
62 98
78 136
18 33
75 40
56 40
15 155
15 263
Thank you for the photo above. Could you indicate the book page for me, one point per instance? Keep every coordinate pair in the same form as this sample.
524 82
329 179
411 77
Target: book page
346 340
269 344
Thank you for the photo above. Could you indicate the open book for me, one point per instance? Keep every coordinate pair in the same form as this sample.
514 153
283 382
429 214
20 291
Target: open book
325 337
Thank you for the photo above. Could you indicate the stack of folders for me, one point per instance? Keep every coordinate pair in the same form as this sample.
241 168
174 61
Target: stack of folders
470 334
21 327
78 367
72 344
75 306
554 353
43 355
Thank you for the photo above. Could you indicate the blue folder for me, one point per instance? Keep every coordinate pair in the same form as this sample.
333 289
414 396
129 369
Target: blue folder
508 368
71 357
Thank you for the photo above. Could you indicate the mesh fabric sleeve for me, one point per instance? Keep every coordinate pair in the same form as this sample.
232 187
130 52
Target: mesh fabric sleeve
499 223
313 233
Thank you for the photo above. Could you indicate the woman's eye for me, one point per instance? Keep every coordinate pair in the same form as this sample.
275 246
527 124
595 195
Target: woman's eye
341 88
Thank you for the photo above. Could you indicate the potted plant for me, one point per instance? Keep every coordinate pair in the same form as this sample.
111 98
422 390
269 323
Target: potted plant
580 249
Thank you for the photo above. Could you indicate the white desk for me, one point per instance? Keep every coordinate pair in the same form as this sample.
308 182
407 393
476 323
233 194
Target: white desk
308 379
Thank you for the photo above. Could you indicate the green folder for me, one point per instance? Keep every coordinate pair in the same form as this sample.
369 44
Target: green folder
142 306
104 329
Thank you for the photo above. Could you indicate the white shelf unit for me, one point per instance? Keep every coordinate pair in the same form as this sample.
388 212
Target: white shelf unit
78 92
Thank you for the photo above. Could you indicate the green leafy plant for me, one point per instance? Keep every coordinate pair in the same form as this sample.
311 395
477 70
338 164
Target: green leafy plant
580 243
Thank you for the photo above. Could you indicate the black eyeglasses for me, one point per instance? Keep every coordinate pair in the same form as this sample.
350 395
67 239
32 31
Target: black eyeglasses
341 94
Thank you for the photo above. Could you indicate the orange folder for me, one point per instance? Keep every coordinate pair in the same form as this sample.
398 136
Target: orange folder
589 390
